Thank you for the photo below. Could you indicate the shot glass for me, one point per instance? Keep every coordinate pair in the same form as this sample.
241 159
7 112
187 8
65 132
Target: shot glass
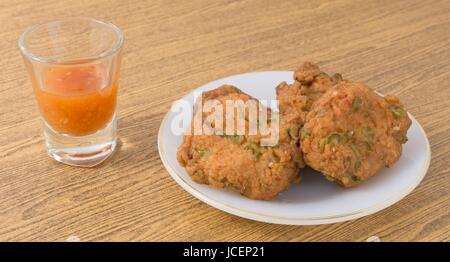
74 67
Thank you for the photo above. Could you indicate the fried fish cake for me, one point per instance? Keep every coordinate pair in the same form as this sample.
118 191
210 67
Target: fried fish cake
310 84
351 132
240 161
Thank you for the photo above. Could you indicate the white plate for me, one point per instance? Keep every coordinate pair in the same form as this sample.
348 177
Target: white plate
314 200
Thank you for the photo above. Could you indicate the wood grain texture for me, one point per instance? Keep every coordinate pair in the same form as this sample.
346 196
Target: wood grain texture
172 47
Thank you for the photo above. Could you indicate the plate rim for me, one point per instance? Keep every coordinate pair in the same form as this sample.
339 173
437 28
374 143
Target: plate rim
394 198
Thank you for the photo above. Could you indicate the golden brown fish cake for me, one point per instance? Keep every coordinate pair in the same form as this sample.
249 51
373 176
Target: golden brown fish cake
351 133
296 99
239 161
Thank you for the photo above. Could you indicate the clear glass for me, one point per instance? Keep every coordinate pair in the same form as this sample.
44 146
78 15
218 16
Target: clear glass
74 67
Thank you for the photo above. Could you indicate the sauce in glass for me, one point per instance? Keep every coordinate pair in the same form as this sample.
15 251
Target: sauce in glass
77 100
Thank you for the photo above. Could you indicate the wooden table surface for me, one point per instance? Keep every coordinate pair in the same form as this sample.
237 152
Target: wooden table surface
172 47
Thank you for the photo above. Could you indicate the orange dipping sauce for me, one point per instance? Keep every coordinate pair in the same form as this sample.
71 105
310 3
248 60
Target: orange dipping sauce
77 100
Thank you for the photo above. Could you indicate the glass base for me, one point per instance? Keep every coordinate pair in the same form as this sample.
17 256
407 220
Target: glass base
82 151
